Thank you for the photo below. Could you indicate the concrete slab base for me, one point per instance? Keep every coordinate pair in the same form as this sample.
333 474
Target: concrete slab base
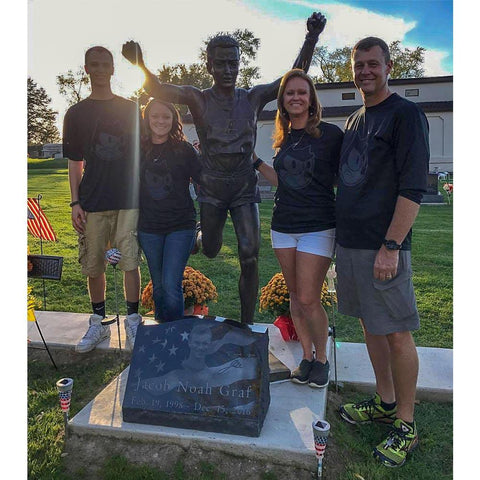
285 446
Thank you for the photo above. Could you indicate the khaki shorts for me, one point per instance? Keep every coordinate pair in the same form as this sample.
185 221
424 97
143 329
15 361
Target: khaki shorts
105 230
384 306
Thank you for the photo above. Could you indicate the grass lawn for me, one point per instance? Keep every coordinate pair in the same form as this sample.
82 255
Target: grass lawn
432 263
348 453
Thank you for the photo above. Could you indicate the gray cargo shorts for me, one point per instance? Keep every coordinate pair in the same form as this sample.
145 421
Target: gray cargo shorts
384 306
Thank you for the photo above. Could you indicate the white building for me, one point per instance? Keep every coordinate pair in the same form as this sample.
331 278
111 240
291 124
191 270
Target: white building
433 94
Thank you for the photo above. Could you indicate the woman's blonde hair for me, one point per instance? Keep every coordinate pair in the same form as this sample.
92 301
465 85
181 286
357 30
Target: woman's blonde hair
282 119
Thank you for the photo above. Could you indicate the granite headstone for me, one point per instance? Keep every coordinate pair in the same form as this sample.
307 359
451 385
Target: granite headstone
432 184
201 374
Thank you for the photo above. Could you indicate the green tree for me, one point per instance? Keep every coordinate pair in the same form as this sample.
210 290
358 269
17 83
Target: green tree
72 85
335 65
41 118
407 63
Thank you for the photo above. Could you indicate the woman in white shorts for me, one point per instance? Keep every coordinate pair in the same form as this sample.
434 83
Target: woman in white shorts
303 221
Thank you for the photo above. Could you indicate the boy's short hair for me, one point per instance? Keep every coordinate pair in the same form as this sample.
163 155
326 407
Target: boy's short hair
98 49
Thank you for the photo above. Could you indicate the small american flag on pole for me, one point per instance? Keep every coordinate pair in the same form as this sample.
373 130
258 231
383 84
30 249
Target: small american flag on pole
37 223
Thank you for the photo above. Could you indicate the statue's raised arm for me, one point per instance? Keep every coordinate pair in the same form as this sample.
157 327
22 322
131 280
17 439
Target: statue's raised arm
315 26
184 94
262 94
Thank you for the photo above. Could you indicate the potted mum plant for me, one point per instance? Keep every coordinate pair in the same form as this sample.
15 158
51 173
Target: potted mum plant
275 299
198 290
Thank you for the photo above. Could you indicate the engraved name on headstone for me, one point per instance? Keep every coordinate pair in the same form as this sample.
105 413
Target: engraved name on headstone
199 373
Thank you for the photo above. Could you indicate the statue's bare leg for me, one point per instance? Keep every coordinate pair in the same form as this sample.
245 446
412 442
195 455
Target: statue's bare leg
246 222
212 221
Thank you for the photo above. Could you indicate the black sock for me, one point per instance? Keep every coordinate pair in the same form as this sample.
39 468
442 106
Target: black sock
388 406
99 308
132 307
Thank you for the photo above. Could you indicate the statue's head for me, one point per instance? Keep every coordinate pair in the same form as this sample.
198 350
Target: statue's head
223 60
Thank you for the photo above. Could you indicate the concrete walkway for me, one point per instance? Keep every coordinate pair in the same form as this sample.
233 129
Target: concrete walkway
435 381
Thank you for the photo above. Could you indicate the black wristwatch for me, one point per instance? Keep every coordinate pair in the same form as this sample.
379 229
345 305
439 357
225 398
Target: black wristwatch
392 244
257 163
76 202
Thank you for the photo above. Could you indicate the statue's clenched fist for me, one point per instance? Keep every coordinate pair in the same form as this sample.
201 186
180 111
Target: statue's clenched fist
133 53
316 23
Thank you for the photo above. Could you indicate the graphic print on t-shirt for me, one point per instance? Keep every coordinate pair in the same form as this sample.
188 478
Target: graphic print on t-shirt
295 167
158 180
109 141
354 159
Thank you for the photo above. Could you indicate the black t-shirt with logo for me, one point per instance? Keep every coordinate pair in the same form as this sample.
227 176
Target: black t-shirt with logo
385 152
306 168
105 134
165 202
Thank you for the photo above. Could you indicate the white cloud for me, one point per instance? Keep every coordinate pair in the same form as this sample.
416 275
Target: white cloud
433 63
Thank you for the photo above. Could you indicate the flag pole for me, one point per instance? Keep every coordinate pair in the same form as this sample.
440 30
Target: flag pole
39 197
45 343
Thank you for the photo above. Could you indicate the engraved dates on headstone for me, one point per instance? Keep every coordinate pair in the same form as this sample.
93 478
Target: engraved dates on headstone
199 373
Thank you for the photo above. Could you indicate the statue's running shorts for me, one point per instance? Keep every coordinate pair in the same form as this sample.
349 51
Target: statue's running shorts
228 191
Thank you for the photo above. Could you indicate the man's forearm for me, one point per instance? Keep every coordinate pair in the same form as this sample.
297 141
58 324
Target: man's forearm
403 219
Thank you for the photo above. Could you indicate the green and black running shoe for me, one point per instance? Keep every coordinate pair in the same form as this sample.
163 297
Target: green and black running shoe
402 440
370 410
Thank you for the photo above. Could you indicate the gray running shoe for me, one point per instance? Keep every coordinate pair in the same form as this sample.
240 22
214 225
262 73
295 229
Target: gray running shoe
302 372
132 322
319 374
96 334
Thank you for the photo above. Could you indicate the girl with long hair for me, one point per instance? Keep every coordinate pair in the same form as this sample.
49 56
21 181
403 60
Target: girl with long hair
166 227
303 220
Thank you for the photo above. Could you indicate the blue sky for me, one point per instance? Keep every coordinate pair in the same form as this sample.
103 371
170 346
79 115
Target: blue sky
433 18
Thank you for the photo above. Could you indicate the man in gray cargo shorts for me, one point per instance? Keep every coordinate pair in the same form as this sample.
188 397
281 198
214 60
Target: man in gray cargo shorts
382 177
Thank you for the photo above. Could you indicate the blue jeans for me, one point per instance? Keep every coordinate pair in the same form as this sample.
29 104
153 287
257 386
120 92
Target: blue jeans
167 257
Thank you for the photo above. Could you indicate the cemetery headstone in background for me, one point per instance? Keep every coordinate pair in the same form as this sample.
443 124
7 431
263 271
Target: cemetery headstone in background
432 195
201 374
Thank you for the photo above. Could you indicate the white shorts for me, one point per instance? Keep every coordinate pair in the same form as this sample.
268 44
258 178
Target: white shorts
317 243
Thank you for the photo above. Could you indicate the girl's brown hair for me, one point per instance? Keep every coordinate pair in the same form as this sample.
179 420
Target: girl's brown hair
282 120
175 136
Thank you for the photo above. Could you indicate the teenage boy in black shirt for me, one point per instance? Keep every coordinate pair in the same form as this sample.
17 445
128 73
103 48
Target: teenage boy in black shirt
100 141
382 176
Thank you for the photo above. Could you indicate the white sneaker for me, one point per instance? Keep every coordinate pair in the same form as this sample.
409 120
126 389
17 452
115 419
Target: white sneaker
96 334
132 322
